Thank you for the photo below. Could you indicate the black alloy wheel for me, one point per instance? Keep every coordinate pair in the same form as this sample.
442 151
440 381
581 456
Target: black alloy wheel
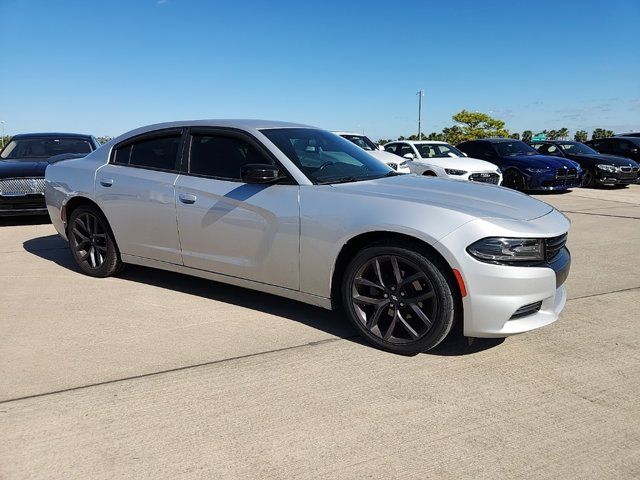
91 243
513 179
588 179
398 299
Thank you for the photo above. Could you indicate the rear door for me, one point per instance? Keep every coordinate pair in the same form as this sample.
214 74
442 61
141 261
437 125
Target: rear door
250 231
136 192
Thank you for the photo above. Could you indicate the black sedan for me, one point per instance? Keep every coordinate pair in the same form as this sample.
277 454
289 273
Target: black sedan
628 147
598 168
23 162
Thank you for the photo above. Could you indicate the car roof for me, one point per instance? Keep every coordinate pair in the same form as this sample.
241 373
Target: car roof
51 135
421 142
242 124
554 141
348 133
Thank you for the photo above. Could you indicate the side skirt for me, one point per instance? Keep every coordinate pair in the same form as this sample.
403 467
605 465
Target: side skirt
239 282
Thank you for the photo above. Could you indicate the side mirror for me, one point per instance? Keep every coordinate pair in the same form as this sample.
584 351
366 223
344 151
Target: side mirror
259 173
381 148
409 156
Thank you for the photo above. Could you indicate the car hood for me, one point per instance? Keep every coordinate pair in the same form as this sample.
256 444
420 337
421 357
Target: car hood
26 168
462 163
594 159
541 161
477 200
386 157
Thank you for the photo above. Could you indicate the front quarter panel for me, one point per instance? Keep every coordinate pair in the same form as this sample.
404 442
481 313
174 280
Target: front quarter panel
331 217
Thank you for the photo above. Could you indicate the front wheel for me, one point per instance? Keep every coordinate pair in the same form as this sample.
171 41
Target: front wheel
398 299
92 244
513 179
588 179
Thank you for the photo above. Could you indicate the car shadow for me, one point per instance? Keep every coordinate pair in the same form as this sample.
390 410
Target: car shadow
54 249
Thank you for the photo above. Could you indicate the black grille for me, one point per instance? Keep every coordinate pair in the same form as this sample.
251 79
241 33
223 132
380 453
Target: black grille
566 173
492 178
525 310
554 245
393 165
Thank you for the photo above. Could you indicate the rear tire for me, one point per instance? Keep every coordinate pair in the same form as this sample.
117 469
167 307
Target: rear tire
91 242
398 298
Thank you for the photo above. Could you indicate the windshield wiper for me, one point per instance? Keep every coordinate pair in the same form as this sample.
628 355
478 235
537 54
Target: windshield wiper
339 180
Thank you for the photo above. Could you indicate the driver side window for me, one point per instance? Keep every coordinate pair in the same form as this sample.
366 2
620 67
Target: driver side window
404 149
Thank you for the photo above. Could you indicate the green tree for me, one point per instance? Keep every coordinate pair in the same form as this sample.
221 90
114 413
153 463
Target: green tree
563 133
551 134
527 135
435 136
479 125
601 133
401 138
104 139
453 135
581 136
515 136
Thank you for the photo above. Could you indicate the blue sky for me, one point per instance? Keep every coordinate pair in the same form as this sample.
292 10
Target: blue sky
107 67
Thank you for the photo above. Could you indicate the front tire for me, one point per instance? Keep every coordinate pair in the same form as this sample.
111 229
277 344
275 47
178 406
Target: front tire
588 178
91 242
513 179
398 299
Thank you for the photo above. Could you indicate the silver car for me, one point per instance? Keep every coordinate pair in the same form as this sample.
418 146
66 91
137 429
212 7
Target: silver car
300 212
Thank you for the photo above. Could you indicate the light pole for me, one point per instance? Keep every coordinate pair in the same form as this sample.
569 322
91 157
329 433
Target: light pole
3 123
420 95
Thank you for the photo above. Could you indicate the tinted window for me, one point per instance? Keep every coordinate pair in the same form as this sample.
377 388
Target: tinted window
362 141
159 152
122 155
222 157
517 147
45 147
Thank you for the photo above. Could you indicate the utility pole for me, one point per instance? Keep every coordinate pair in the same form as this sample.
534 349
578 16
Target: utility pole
3 123
420 95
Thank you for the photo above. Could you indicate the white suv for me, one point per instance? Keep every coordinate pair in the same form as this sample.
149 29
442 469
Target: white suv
401 166
439 159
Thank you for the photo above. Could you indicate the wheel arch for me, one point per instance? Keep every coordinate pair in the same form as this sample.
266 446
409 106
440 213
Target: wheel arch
79 201
429 173
358 242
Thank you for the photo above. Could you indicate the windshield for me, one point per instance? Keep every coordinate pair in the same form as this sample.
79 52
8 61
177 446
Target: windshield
324 157
28 148
361 141
517 147
437 150
575 147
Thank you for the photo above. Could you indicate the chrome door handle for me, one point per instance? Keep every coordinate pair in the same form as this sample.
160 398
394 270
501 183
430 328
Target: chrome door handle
187 198
106 182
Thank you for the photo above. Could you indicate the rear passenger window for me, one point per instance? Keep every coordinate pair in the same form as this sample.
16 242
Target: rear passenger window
122 155
222 157
158 152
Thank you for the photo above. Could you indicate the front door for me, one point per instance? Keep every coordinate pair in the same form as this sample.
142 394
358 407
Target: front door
249 231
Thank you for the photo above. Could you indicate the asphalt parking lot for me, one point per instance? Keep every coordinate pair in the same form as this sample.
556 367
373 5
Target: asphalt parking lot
154 374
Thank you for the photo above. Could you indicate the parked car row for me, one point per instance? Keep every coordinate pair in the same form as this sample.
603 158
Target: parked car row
307 214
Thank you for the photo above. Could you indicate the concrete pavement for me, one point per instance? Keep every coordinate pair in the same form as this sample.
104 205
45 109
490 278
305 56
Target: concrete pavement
158 375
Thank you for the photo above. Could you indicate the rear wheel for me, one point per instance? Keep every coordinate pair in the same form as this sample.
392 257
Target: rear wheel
513 179
92 244
398 299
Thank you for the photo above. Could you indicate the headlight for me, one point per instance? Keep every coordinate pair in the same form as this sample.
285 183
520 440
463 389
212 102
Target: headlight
536 170
453 171
508 250
607 168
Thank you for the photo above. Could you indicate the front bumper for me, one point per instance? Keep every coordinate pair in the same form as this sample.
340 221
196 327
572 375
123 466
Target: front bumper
616 178
495 293
552 180
17 205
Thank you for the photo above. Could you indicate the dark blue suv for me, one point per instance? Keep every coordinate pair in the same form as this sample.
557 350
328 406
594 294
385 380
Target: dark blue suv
523 168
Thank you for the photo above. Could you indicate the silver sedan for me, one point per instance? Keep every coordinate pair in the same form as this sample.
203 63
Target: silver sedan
300 212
